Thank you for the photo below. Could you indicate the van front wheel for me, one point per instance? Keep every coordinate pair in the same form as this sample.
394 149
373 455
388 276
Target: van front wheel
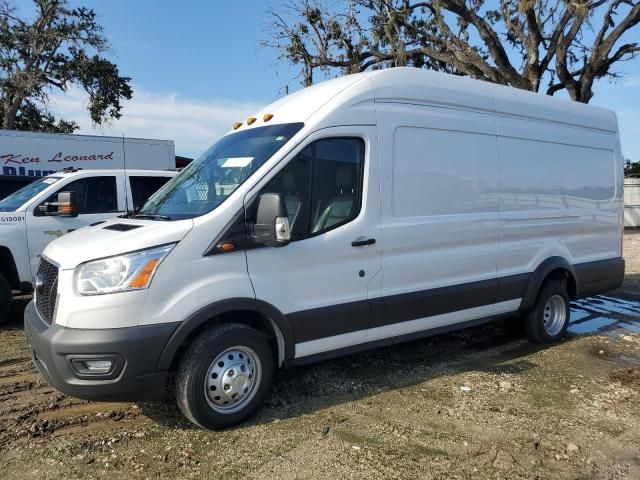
547 322
224 376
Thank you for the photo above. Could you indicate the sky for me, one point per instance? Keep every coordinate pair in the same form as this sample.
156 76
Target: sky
197 66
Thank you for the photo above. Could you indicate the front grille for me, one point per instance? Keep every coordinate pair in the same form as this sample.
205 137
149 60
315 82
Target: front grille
46 289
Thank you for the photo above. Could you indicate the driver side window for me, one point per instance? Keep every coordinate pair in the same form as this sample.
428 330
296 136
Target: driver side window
94 194
321 186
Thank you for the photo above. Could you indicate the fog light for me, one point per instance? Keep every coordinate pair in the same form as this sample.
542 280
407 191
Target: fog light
94 366
97 366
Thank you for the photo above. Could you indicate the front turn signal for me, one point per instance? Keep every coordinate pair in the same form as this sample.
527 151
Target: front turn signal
143 277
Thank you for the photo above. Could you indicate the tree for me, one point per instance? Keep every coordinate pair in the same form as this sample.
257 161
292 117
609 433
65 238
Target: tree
61 48
537 45
631 168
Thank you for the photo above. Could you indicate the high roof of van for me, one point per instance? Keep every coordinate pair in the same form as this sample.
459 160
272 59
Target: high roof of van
424 87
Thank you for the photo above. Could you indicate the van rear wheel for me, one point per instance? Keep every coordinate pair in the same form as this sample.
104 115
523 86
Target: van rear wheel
6 300
224 376
548 320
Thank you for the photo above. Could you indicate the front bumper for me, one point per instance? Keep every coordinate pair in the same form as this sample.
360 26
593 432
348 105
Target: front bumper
135 349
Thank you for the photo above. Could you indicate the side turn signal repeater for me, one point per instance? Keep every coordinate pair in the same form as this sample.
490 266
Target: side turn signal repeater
66 209
267 117
237 125
251 120
226 247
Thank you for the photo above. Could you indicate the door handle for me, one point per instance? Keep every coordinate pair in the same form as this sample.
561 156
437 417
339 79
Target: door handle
362 243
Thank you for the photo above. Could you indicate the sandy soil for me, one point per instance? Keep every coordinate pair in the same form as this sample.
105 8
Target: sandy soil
478 404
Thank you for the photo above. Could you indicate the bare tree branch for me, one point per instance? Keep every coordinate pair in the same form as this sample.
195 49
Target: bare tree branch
520 43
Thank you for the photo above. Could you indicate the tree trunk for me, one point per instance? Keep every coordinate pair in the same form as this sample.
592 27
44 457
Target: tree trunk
11 108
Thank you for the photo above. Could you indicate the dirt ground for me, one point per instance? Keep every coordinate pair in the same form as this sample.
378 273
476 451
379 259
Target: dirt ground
478 404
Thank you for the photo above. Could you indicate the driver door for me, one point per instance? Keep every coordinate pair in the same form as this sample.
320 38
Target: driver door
323 279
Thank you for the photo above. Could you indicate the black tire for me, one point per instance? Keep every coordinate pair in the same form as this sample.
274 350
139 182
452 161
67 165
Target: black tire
193 373
535 318
6 300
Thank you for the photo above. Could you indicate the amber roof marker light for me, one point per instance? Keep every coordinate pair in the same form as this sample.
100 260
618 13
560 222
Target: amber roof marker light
237 125
251 120
267 117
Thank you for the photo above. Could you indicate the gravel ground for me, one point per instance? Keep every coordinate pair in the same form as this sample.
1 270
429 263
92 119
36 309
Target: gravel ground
478 404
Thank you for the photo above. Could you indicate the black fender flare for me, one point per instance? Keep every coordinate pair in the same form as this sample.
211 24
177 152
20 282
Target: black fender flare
198 318
538 276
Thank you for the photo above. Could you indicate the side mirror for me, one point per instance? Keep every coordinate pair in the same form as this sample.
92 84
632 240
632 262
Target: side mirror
66 206
272 223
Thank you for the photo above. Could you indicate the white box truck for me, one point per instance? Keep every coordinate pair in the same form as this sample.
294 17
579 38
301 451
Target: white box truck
34 154
57 204
363 211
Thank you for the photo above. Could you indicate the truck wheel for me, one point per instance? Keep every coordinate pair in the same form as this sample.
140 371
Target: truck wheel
6 300
547 322
224 376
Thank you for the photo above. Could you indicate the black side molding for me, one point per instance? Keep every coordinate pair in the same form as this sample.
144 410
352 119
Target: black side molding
385 342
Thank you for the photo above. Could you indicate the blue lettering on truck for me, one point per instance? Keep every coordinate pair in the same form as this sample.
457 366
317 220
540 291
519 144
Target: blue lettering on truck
28 172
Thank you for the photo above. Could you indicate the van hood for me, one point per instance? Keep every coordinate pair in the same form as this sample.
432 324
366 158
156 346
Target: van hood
113 237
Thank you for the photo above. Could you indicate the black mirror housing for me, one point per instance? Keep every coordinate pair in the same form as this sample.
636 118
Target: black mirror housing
272 223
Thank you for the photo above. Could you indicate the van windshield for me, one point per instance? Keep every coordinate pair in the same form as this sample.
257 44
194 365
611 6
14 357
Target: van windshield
26 193
212 178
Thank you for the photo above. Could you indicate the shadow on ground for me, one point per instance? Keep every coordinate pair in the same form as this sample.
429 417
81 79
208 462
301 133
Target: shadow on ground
303 390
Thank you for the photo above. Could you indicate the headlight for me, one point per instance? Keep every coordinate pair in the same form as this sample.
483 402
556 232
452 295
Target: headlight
132 271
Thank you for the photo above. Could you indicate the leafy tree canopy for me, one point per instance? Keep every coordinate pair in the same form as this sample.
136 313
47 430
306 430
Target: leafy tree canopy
60 48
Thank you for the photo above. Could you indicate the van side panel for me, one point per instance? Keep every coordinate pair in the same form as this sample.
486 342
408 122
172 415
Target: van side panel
558 194
439 215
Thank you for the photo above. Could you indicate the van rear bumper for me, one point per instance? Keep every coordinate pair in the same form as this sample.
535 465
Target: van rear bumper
134 353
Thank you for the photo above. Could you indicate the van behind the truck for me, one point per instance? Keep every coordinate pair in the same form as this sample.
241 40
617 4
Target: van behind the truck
367 210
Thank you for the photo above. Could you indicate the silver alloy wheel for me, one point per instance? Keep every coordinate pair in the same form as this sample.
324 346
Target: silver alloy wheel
554 315
232 379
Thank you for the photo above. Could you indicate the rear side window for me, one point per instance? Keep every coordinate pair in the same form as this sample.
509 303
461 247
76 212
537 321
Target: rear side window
94 194
321 186
143 187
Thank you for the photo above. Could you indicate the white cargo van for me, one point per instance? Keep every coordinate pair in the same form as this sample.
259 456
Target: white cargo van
56 205
363 211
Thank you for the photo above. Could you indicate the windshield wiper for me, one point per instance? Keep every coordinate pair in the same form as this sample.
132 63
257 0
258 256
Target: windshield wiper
151 217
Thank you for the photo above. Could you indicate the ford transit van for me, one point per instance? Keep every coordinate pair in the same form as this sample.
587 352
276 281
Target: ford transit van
363 211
